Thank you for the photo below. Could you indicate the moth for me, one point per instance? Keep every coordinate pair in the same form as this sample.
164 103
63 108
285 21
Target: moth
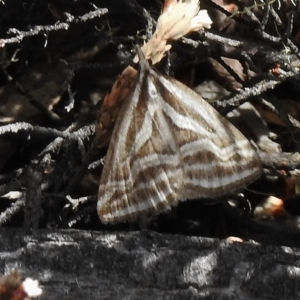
169 145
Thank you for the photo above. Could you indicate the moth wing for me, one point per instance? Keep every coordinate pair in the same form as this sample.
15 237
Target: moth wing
168 144
216 157
142 171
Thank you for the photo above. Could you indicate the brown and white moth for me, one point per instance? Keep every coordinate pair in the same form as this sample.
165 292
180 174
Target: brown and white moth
168 144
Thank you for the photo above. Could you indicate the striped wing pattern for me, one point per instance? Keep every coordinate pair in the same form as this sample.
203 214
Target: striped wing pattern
169 144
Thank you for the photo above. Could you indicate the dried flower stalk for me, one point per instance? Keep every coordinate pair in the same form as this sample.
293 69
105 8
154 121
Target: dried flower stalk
178 18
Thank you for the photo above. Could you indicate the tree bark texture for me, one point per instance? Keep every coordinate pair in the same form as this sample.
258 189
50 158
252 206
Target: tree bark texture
145 265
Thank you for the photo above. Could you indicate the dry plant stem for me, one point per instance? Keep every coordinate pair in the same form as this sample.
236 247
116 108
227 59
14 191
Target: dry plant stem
15 127
233 49
245 94
287 27
276 17
35 180
224 40
77 136
151 23
20 35
218 7
76 202
176 20
37 183
262 54
265 17
75 174
83 213
274 39
280 161
37 104
84 133
34 187
96 164
286 118
229 70
9 212
247 63
271 106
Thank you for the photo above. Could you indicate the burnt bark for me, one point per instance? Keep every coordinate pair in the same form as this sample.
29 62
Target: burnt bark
97 265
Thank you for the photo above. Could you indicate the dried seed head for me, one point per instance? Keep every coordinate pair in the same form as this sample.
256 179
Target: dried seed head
177 19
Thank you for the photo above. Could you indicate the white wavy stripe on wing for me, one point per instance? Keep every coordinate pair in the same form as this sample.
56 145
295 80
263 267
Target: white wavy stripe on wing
196 103
208 183
163 159
161 195
241 146
142 204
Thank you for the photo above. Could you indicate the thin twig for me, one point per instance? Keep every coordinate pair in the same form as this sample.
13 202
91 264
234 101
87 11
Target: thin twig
36 30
